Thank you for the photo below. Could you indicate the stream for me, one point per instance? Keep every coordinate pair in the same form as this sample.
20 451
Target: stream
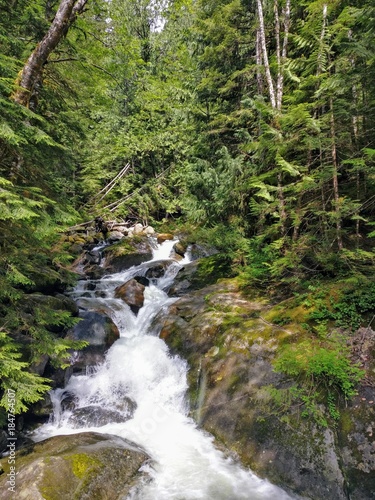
140 393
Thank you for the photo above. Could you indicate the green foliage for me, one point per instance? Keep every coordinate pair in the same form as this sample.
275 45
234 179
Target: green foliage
28 387
329 367
323 373
349 310
285 194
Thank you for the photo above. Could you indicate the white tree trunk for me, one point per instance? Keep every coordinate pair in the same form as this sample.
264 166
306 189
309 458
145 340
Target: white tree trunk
262 36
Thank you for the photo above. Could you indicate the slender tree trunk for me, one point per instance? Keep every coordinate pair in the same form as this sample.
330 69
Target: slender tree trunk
322 36
282 203
259 60
355 125
276 95
358 177
262 36
31 73
335 177
282 58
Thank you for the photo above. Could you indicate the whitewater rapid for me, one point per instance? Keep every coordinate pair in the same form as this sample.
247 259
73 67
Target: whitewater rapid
139 372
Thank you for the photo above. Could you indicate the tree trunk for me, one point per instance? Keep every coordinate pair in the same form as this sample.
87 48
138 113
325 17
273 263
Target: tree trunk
31 73
275 95
259 64
281 54
262 36
335 178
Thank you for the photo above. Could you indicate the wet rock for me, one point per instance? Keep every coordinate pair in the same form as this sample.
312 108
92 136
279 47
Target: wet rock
161 237
200 273
356 431
197 251
180 248
94 272
114 236
68 401
138 228
85 466
39 366
92 257
43 408
127 253
96 328
230 350
157 269
100 332
84 359
96 416
60 376
176 256
142 280
132 293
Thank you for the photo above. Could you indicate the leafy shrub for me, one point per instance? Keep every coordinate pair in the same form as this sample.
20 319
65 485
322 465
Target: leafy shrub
326 366
349 310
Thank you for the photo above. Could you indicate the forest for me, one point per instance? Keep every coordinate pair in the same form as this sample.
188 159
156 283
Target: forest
248 123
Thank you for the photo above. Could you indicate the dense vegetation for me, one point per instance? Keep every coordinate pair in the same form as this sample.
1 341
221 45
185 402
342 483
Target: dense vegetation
253 120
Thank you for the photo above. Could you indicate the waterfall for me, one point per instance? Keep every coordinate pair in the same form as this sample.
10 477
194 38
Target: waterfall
140 390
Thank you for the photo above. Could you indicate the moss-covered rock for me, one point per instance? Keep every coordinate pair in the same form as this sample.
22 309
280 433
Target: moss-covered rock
85 466
200 273
230 342
127 253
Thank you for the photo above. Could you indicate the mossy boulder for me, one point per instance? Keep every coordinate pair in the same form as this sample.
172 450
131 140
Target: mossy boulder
200 273
127 253
230 342
85 466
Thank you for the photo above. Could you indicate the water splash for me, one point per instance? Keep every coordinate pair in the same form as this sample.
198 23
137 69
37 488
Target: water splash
140 370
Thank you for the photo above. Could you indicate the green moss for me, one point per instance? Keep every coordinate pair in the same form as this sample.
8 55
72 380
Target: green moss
82 464
123 247
211 269
346 423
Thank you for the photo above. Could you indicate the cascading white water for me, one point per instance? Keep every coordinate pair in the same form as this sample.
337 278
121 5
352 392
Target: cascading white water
140 369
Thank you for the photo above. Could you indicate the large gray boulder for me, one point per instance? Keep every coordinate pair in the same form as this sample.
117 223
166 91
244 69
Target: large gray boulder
96 328
99 331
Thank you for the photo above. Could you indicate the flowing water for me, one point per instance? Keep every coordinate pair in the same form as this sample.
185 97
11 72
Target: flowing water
143 387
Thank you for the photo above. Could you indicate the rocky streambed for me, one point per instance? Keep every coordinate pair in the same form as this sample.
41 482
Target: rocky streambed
229 341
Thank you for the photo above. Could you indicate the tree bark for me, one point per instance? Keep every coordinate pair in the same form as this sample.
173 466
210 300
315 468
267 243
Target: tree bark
335 178
258 53
276 95
281 54
31 73
262 36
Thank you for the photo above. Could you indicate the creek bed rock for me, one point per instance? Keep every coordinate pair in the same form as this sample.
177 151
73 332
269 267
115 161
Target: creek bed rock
85 466
230 345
